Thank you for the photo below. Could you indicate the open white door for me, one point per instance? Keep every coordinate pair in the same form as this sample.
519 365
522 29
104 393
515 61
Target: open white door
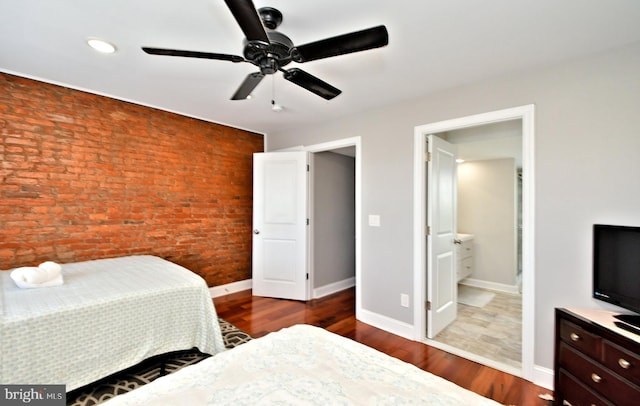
442 289
280 266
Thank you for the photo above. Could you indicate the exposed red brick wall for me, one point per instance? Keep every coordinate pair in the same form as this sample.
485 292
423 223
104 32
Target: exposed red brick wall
86 177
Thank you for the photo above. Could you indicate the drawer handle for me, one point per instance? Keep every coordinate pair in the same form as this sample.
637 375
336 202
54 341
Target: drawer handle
624 363
574 337
596 378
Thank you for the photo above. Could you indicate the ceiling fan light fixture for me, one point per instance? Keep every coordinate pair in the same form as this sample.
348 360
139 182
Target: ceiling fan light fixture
276 107
101 45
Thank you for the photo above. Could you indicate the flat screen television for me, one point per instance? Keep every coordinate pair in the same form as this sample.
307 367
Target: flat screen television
616 270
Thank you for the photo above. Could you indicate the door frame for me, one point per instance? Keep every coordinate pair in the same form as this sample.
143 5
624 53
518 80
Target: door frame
328 146
526 114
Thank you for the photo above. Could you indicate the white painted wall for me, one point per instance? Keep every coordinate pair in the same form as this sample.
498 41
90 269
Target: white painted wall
487 209
586 161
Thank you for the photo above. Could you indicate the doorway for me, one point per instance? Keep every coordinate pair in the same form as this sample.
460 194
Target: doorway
332 229
288 176
488 322
350 147
525 115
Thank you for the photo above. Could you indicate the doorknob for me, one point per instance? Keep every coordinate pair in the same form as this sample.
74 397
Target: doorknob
256 231
457 241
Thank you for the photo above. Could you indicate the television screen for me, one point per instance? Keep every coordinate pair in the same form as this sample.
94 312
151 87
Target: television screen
616 265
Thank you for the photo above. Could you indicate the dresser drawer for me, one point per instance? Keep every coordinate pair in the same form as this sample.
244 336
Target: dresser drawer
621 361
575 393
599 379
579 338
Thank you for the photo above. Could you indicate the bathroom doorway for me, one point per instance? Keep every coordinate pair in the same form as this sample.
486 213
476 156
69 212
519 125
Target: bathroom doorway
489 301
460 131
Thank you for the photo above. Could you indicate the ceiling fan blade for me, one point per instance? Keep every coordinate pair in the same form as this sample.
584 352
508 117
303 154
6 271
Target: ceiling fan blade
193 54
370 38
311 83
250 82
247 17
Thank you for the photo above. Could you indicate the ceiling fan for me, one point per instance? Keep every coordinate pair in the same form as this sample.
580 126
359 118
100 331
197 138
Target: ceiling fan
271 50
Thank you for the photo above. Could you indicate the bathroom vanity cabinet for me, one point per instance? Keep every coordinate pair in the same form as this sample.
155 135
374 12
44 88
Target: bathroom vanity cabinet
596 363
464 253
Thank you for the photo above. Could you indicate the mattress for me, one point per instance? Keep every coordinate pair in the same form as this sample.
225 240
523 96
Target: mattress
301 365
108 315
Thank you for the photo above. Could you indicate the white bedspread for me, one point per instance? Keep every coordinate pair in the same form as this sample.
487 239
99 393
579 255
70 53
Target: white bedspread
108 315
301 365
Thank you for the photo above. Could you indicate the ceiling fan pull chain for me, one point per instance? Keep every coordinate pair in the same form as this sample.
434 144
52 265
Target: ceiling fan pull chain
274 106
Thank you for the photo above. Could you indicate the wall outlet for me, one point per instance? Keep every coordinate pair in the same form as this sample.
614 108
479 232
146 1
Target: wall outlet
374 220
404 300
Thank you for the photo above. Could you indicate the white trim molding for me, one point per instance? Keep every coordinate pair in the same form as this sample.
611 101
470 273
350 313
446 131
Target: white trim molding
500 287
387 324
334 287
229 288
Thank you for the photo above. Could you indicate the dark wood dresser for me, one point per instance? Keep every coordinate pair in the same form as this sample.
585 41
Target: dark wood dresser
595 362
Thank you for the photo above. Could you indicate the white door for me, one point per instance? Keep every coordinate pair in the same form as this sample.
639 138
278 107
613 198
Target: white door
442 283
280 196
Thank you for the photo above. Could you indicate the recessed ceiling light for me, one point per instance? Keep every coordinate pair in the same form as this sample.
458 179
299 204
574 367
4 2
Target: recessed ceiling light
101 45
459 160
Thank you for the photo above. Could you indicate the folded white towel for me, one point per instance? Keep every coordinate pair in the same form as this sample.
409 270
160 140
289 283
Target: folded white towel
51 269
33 275
37 277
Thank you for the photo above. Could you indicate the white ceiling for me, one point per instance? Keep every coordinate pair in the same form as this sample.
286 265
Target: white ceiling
433 44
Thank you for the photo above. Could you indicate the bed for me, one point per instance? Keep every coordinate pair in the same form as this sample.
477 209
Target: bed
108 315
300 365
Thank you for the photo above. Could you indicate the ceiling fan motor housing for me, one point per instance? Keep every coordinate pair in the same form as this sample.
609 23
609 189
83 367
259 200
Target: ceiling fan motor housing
272 56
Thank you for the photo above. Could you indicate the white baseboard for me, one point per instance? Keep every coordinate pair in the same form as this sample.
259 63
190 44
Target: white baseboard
333 287
500 287
543 377
229 288
239 286
396 327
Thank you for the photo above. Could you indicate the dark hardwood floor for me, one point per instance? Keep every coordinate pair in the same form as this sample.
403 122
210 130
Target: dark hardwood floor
259 316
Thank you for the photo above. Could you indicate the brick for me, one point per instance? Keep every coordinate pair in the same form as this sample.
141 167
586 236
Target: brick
87 177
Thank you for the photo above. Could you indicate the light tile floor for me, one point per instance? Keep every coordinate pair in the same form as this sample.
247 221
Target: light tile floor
493 331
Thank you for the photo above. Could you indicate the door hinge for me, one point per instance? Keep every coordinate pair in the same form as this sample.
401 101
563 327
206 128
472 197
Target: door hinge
308 168
307 276
427 305
427 156
307 221
428 230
